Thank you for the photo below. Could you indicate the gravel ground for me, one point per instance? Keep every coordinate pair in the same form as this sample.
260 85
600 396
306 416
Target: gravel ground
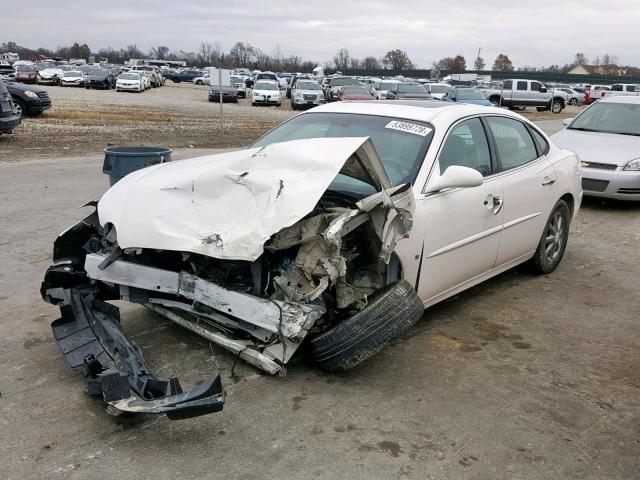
176 116
520 378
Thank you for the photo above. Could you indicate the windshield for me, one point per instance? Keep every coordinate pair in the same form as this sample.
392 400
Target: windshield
129 76
308 86
606 117
470 95
337 82
25 68
411 88
355 91
385 85
440 88
266 86
72 73
401 151
266 76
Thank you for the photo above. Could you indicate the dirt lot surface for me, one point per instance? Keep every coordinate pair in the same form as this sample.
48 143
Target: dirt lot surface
521 377
175 116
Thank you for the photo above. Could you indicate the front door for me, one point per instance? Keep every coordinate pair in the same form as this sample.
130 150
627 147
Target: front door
461 226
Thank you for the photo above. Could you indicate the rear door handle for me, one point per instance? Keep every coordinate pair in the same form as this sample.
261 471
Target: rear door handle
548 181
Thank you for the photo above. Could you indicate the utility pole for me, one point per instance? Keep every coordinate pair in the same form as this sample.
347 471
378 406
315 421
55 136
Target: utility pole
220 84
478 59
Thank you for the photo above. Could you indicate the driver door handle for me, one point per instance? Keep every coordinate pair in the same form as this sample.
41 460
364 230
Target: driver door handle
494 202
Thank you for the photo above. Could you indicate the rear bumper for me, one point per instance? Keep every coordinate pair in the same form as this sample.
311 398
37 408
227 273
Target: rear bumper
7 124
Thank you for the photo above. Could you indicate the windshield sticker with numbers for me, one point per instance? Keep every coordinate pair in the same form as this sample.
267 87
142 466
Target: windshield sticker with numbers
409 128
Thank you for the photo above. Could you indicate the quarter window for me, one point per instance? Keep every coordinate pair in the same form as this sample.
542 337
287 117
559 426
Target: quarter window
542 143
466 146
513 142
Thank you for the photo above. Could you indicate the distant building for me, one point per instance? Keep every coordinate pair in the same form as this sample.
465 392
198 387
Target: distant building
153 61
598 70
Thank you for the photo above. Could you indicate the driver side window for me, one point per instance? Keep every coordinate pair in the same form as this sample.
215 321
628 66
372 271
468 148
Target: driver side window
466 146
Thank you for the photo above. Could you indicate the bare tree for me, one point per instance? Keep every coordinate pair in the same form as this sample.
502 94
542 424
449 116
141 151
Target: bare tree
580 59
370 63
479 64
341 59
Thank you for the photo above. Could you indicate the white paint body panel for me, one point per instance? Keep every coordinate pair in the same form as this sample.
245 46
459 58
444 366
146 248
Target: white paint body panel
224 206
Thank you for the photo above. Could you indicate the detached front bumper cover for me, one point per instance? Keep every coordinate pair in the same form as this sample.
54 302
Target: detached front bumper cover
89 336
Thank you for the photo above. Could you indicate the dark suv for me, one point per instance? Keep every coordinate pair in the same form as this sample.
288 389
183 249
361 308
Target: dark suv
28 100
9 119
99 78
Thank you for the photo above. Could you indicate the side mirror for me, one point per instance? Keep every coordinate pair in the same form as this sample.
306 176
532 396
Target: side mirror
456 176
567 121
543 89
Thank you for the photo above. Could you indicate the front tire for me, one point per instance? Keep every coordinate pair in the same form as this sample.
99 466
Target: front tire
573 101
390 313
553 241
20 107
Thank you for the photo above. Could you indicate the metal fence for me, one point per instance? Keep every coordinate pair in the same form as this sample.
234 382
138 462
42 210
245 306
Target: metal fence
546 77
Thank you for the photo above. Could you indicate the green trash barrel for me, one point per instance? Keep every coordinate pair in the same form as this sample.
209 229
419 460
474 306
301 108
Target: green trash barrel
121 161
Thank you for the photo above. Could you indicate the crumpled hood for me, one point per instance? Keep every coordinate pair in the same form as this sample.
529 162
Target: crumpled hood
599 147
226 206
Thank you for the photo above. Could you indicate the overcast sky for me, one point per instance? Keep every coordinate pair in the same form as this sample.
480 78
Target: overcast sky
531 32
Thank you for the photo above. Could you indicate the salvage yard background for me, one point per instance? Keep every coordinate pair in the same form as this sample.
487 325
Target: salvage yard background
521 377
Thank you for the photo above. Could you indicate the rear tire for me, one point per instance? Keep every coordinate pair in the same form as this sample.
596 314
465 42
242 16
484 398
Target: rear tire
556 106
553 241
573 101
387 316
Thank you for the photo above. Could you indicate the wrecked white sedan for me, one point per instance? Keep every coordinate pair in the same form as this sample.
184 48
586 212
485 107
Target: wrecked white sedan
336 228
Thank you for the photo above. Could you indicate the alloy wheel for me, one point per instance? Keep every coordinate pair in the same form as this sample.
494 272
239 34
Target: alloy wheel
554 238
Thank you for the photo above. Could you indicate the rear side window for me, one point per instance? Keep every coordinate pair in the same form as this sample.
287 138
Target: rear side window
466 146
514 144
507 85
631 88
540 140
522 86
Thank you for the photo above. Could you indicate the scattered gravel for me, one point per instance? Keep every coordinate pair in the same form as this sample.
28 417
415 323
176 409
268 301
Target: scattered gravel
175 116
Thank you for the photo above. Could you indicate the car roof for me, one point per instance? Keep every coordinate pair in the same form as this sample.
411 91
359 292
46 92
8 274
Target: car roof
422 110
635 100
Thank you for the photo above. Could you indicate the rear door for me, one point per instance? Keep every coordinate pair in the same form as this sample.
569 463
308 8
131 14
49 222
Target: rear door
521 92
529 182
461 225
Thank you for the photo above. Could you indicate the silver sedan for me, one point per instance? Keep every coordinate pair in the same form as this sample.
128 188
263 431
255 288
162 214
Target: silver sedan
606 137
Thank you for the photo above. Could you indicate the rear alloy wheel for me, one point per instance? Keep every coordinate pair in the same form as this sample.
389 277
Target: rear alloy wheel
554 240
573 101
388 314
556 106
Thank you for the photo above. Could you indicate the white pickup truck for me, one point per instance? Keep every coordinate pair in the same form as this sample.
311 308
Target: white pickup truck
626 89
521 93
